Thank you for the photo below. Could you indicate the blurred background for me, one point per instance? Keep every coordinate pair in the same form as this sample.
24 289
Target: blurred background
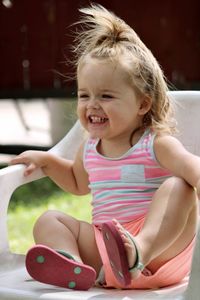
35 41
38 104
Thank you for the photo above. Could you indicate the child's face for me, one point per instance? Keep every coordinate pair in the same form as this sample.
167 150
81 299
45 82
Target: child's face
108 107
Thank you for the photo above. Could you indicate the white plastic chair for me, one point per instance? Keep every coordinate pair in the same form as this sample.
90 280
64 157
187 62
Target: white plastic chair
15 283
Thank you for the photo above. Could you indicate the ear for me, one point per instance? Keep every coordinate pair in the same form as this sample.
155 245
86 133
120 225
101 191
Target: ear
145 105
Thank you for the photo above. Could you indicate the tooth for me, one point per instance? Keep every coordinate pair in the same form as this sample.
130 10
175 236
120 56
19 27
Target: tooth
96 119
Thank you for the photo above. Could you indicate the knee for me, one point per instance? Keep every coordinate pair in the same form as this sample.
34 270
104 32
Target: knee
181 190
44 221
179 184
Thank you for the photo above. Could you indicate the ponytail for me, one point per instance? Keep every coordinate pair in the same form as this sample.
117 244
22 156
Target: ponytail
102 30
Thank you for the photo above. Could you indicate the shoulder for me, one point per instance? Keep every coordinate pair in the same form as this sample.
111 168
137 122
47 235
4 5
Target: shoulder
159 140
88 148
168 149
162 141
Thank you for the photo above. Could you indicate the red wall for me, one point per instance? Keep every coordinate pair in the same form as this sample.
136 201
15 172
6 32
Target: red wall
36 32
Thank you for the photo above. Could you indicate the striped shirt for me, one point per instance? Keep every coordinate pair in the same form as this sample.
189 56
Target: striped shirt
122 188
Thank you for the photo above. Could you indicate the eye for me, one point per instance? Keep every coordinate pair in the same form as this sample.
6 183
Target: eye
83 96
107 96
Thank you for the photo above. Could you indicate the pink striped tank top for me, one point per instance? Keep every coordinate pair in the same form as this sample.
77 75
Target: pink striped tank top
122 188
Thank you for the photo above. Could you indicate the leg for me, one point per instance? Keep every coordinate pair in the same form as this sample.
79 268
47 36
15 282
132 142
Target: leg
62 232
169 227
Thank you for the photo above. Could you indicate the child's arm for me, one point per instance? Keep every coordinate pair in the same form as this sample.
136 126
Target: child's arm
172 155
67 174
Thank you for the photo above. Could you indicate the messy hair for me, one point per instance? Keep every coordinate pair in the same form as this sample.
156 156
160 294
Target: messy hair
103 35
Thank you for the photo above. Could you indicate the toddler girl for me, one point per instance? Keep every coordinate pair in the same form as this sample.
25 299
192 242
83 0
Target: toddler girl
144 183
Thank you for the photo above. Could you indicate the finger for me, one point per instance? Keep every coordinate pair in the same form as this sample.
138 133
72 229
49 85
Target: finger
30 169
19 160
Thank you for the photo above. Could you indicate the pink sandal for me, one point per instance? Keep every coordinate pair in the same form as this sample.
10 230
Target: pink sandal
117 254
58 268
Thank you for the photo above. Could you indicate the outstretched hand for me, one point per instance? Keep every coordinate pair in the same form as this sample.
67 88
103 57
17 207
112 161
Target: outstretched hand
32 160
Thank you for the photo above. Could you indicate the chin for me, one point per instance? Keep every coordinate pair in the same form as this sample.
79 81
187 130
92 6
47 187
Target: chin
95 135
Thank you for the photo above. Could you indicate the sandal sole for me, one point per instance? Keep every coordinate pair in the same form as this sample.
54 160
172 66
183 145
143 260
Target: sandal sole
48 266
116 253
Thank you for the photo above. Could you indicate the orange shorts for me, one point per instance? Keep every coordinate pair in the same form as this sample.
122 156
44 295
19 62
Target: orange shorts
170 273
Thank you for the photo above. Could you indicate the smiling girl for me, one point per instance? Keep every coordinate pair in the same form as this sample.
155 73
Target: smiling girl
144 205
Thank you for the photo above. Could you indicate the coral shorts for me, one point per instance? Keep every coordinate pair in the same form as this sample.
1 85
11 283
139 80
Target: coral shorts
172 272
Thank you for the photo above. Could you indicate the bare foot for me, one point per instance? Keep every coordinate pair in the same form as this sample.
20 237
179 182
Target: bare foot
130 249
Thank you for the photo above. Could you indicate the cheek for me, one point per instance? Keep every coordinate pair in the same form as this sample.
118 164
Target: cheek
113 110
117 113
80 110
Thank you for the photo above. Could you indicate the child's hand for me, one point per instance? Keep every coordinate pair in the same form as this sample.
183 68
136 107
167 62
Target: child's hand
32 160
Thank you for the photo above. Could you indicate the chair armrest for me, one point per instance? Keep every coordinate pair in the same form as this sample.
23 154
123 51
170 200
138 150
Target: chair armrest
13 176
10 178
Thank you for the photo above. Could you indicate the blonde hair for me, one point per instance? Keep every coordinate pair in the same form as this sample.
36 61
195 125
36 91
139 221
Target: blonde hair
103 35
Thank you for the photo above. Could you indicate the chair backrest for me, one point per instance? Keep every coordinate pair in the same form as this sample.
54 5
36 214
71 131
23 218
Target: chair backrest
187 108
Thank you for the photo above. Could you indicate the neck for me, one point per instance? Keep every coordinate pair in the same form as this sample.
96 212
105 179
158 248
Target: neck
114 148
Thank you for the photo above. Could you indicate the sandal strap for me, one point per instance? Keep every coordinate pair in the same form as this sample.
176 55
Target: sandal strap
62 252
138 265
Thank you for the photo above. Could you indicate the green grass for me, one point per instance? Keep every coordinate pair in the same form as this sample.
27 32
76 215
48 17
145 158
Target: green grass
30 201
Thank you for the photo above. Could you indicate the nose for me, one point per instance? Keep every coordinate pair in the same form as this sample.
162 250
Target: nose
93 103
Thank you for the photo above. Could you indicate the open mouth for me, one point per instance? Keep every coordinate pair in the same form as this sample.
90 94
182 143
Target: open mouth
97 120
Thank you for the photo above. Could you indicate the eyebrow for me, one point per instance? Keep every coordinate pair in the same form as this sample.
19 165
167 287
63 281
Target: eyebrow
101 91
108 91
